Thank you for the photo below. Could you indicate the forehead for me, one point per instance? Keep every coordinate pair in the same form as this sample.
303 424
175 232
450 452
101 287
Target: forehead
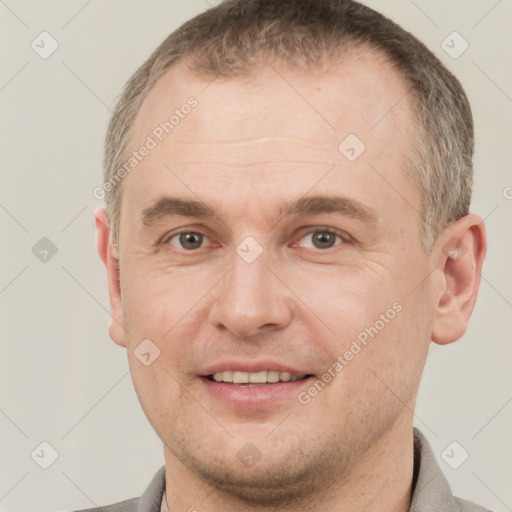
275 129
352 93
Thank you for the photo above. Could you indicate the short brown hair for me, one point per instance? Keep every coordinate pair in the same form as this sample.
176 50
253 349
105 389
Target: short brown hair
231 38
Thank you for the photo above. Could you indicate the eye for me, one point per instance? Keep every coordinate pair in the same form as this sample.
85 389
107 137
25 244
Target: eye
188 240
320 239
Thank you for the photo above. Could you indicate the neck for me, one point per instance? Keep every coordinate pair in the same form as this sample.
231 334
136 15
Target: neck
380 482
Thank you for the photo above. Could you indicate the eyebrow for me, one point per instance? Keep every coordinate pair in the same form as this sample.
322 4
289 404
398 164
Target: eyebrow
305 206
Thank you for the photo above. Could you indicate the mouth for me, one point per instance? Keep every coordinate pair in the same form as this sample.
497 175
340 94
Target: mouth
254 379
254 385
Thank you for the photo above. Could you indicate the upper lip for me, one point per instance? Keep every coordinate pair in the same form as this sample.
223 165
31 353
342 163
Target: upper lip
251 366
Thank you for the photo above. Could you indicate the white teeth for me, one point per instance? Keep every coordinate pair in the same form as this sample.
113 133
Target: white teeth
262 377
240 378
272 376
258 377
219 376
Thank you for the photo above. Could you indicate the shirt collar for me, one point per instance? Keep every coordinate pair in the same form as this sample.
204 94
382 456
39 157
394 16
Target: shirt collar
432 491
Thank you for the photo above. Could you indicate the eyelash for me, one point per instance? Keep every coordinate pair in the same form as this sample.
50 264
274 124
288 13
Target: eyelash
343 236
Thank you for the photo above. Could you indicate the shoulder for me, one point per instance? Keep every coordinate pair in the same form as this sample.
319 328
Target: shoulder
469 506
431 489
123 506
150 501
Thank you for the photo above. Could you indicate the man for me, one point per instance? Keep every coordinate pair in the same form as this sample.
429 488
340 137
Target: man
287 230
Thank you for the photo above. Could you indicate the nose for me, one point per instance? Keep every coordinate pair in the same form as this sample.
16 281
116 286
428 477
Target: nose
251 300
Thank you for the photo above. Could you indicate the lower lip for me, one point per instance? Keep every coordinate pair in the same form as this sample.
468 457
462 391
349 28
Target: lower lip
244 397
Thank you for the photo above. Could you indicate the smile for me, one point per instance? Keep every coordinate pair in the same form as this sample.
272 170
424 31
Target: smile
250 379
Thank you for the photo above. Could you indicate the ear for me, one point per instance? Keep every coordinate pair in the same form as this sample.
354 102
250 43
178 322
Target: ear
108 254
460 253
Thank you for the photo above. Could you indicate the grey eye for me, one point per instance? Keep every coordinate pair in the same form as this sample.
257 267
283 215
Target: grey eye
188 241
321 239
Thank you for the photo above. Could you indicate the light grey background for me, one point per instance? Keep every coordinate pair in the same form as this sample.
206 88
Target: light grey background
65 382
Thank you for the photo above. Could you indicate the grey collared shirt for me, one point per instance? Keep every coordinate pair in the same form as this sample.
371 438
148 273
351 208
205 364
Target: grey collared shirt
432 492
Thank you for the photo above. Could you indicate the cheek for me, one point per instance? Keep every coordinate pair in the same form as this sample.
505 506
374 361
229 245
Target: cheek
160 392
347 299
157 299
369 324
168 308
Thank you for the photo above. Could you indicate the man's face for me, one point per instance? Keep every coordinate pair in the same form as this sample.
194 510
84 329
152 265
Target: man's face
259 285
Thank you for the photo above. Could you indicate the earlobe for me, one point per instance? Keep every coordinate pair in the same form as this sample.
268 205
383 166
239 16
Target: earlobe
108 255
460 255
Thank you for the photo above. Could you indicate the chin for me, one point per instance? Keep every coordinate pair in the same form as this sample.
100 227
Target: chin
285 474
276 483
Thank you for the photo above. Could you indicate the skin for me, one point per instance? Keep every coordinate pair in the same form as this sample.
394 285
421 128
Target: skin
251 144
